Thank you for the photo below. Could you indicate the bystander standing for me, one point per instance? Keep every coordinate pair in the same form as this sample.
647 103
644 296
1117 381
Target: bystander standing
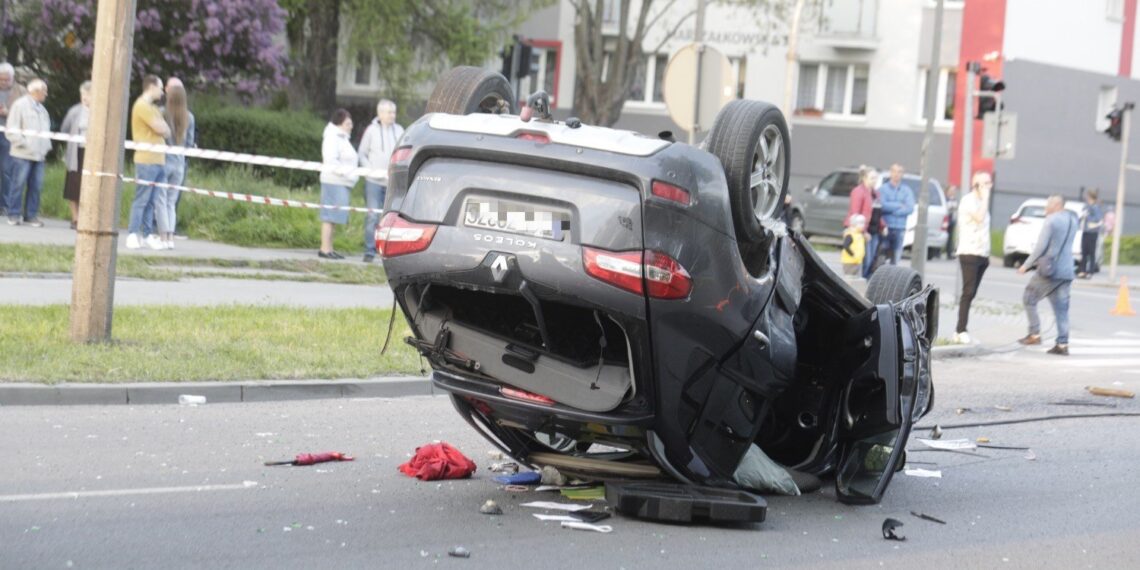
376 147
898 203
10 91
864 201
181 124
973 247
1052 258
75 123
147 126
1092 223
336 153
25 168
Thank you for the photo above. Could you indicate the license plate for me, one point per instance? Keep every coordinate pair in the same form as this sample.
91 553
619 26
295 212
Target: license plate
517 218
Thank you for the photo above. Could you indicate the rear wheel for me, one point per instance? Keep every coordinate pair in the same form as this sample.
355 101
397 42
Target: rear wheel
891 284
751 140
464 90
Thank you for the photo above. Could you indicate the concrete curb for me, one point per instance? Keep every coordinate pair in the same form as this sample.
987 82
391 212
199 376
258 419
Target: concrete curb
69 394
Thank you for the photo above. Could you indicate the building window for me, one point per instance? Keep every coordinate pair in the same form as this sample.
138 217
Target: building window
363 72
1114 10
1106 101
649 80
545 58
843 93
943 95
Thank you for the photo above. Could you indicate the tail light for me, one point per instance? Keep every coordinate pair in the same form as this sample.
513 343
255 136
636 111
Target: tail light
523 395
397 236
645 273
533 137
946 222
665 278
670 192
400 155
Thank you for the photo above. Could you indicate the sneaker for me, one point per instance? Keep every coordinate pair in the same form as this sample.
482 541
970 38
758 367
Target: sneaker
368 257
133 241
1030 339
13 221
329 255
35 223
962 338
169 244
154 242
1059 350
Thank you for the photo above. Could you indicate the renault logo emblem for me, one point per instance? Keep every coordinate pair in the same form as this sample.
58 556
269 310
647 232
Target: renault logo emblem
500 267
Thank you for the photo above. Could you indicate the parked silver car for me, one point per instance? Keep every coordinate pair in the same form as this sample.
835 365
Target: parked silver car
820 210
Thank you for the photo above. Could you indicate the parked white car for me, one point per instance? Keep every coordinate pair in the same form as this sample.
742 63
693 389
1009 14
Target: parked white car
1025 227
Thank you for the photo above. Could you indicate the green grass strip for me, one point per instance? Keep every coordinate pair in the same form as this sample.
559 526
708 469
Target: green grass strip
172 344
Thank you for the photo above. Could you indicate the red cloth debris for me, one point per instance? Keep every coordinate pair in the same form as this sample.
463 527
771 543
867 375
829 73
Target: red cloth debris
312 458
438 461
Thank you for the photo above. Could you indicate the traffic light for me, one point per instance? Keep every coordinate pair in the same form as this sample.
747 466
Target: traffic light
987 103
525 67
1115 123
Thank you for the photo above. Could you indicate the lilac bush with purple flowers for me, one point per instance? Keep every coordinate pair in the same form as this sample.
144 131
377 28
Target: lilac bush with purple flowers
229 44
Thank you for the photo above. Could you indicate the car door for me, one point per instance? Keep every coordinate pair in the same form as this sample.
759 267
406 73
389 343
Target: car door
829 204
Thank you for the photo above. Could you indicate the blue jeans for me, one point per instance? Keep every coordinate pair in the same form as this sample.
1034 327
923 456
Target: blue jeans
142 207
872 252
20 174
373 198
1057 291
5 146
895 243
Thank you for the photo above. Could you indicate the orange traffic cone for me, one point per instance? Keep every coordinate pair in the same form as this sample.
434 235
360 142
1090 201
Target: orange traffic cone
1123 306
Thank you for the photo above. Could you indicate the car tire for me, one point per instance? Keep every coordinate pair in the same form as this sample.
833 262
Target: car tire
464 90
892 283
751 140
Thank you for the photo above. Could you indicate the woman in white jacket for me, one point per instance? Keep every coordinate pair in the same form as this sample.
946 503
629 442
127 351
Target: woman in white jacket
337 153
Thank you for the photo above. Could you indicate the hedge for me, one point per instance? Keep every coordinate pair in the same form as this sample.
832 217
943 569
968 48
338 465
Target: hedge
286 134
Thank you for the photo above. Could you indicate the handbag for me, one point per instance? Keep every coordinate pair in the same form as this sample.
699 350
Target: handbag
1046 264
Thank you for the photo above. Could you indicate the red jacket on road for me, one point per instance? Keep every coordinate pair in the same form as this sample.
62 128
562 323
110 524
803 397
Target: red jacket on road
862 200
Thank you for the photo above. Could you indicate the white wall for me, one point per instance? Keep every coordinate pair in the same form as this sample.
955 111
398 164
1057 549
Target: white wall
1068 33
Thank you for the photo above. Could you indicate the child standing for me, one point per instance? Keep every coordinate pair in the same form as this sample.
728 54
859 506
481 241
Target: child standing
854 246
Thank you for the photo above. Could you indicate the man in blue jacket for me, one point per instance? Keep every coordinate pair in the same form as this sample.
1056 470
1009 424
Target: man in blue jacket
1053 258
898 203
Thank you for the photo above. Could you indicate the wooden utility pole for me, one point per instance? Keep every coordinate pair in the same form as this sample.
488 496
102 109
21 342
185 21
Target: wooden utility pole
93 288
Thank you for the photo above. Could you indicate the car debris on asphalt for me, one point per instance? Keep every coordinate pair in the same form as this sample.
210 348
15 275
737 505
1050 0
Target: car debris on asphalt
579 525
491 508
1112 392
889 527
459 552
927 517
555 506
314 458
933 473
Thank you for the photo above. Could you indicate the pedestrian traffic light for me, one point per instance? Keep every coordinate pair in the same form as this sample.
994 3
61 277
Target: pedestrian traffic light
987 101
1115 123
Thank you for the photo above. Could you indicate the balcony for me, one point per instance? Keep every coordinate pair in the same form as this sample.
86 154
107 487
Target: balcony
848 24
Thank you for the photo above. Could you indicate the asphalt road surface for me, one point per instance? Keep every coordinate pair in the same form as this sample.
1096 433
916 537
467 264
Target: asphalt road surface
184 487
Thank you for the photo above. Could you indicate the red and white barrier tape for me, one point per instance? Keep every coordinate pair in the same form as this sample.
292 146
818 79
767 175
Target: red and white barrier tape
226 156
251 198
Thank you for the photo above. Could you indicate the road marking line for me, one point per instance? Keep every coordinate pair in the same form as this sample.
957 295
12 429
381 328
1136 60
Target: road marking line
125 492
1117 342
1083 349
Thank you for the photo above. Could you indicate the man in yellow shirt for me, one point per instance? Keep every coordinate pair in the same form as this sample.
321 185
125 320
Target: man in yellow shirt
147 126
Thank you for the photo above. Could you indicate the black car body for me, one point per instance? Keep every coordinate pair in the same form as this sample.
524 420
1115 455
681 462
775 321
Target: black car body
581 294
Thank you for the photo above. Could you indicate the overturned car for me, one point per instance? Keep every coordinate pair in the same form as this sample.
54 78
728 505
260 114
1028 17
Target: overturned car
626 306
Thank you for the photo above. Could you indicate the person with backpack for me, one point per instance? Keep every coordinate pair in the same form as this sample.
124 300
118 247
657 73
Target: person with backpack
1053 260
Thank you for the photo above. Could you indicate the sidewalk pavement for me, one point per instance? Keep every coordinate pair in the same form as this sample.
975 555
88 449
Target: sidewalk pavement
56 289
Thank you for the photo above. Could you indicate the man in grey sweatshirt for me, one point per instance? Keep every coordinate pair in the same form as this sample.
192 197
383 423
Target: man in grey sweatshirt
26 156
1053 256
376 148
